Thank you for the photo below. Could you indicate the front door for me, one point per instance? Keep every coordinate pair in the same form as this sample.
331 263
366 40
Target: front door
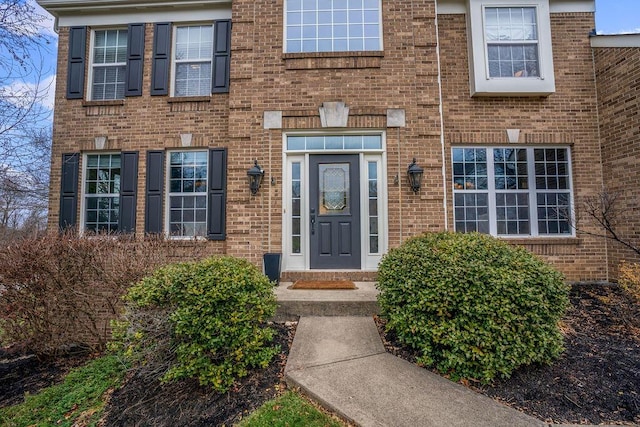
334 211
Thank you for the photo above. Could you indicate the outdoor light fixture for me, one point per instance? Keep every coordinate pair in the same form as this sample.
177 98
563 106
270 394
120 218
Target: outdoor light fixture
255 174
415 176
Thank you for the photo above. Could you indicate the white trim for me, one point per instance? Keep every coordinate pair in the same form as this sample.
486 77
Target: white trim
82 229
532 191
174 62
301 262
110 18
458 7
479 81
380 35
92 41
167 193
572 6
615 40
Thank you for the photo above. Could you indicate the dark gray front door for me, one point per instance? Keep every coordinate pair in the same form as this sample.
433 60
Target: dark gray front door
334 211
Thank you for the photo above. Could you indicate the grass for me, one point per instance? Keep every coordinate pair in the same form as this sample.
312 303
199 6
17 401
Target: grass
289 410
79 399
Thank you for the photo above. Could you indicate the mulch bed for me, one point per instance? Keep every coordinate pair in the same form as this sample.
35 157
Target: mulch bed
595 381
144 401
22 373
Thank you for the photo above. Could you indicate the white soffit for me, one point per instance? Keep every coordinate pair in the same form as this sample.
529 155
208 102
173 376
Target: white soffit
119 12
616 40
447 7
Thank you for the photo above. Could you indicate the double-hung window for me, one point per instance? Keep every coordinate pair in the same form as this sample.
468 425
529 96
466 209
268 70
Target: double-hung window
188 172
510 51
193 56
511 34
506 191
109 61
102 192
333 25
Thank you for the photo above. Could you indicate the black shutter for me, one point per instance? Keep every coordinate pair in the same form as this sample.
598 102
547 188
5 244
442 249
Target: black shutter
128 191
69 190
155 185
161 59
217 194
75 69
135 59
221 57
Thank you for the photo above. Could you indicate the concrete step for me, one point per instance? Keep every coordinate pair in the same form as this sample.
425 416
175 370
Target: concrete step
293 303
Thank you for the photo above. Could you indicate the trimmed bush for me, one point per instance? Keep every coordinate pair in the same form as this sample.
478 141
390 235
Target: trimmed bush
471 305
629 279
203 320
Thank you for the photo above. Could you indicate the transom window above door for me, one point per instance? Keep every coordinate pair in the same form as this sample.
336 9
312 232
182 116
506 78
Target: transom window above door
332 25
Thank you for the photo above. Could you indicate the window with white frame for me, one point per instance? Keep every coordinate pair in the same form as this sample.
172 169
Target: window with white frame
102 192
511 35
332 25
109 61
193 55
510 49
506 191
187 204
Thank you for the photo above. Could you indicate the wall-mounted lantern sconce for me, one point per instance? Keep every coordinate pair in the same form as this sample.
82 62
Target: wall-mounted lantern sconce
255 174
414 173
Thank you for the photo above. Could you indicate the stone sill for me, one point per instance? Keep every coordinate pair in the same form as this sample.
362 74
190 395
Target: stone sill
575 241
177 99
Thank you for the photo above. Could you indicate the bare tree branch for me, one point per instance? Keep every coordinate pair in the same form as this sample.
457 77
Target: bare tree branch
604 211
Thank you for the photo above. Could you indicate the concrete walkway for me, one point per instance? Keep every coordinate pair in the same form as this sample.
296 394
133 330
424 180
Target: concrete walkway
341 363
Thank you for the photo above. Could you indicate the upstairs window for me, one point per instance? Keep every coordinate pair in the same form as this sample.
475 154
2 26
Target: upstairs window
193 60
510 51
511 34
109 62
332 25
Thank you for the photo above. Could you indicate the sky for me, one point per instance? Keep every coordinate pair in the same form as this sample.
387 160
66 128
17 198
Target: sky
612 17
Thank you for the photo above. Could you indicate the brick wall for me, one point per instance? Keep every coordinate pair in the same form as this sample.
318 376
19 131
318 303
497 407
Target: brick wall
405 76
618 74
567 117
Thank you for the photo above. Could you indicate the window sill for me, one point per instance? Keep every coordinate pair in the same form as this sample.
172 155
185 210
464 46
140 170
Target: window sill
513 86
178 99
332 60
103 103
575 241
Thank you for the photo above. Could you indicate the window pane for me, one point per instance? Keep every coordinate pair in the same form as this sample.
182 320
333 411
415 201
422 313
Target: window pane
193 55
324 25
187 193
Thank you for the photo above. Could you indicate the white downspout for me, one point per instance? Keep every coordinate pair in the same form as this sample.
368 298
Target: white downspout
441 109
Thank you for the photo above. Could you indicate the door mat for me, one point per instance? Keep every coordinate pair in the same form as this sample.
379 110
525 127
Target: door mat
323 284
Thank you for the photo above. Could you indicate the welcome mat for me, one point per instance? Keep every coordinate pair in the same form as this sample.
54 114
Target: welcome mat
323 284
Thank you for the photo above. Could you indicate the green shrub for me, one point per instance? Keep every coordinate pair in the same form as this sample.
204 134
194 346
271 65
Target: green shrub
203 320
471 305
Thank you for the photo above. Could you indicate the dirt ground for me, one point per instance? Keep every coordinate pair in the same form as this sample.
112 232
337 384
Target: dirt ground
595 381
144 402
21 373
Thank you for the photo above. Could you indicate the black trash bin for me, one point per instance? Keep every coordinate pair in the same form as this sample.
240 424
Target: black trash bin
271 266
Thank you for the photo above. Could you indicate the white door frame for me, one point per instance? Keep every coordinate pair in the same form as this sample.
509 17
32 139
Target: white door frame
301 261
